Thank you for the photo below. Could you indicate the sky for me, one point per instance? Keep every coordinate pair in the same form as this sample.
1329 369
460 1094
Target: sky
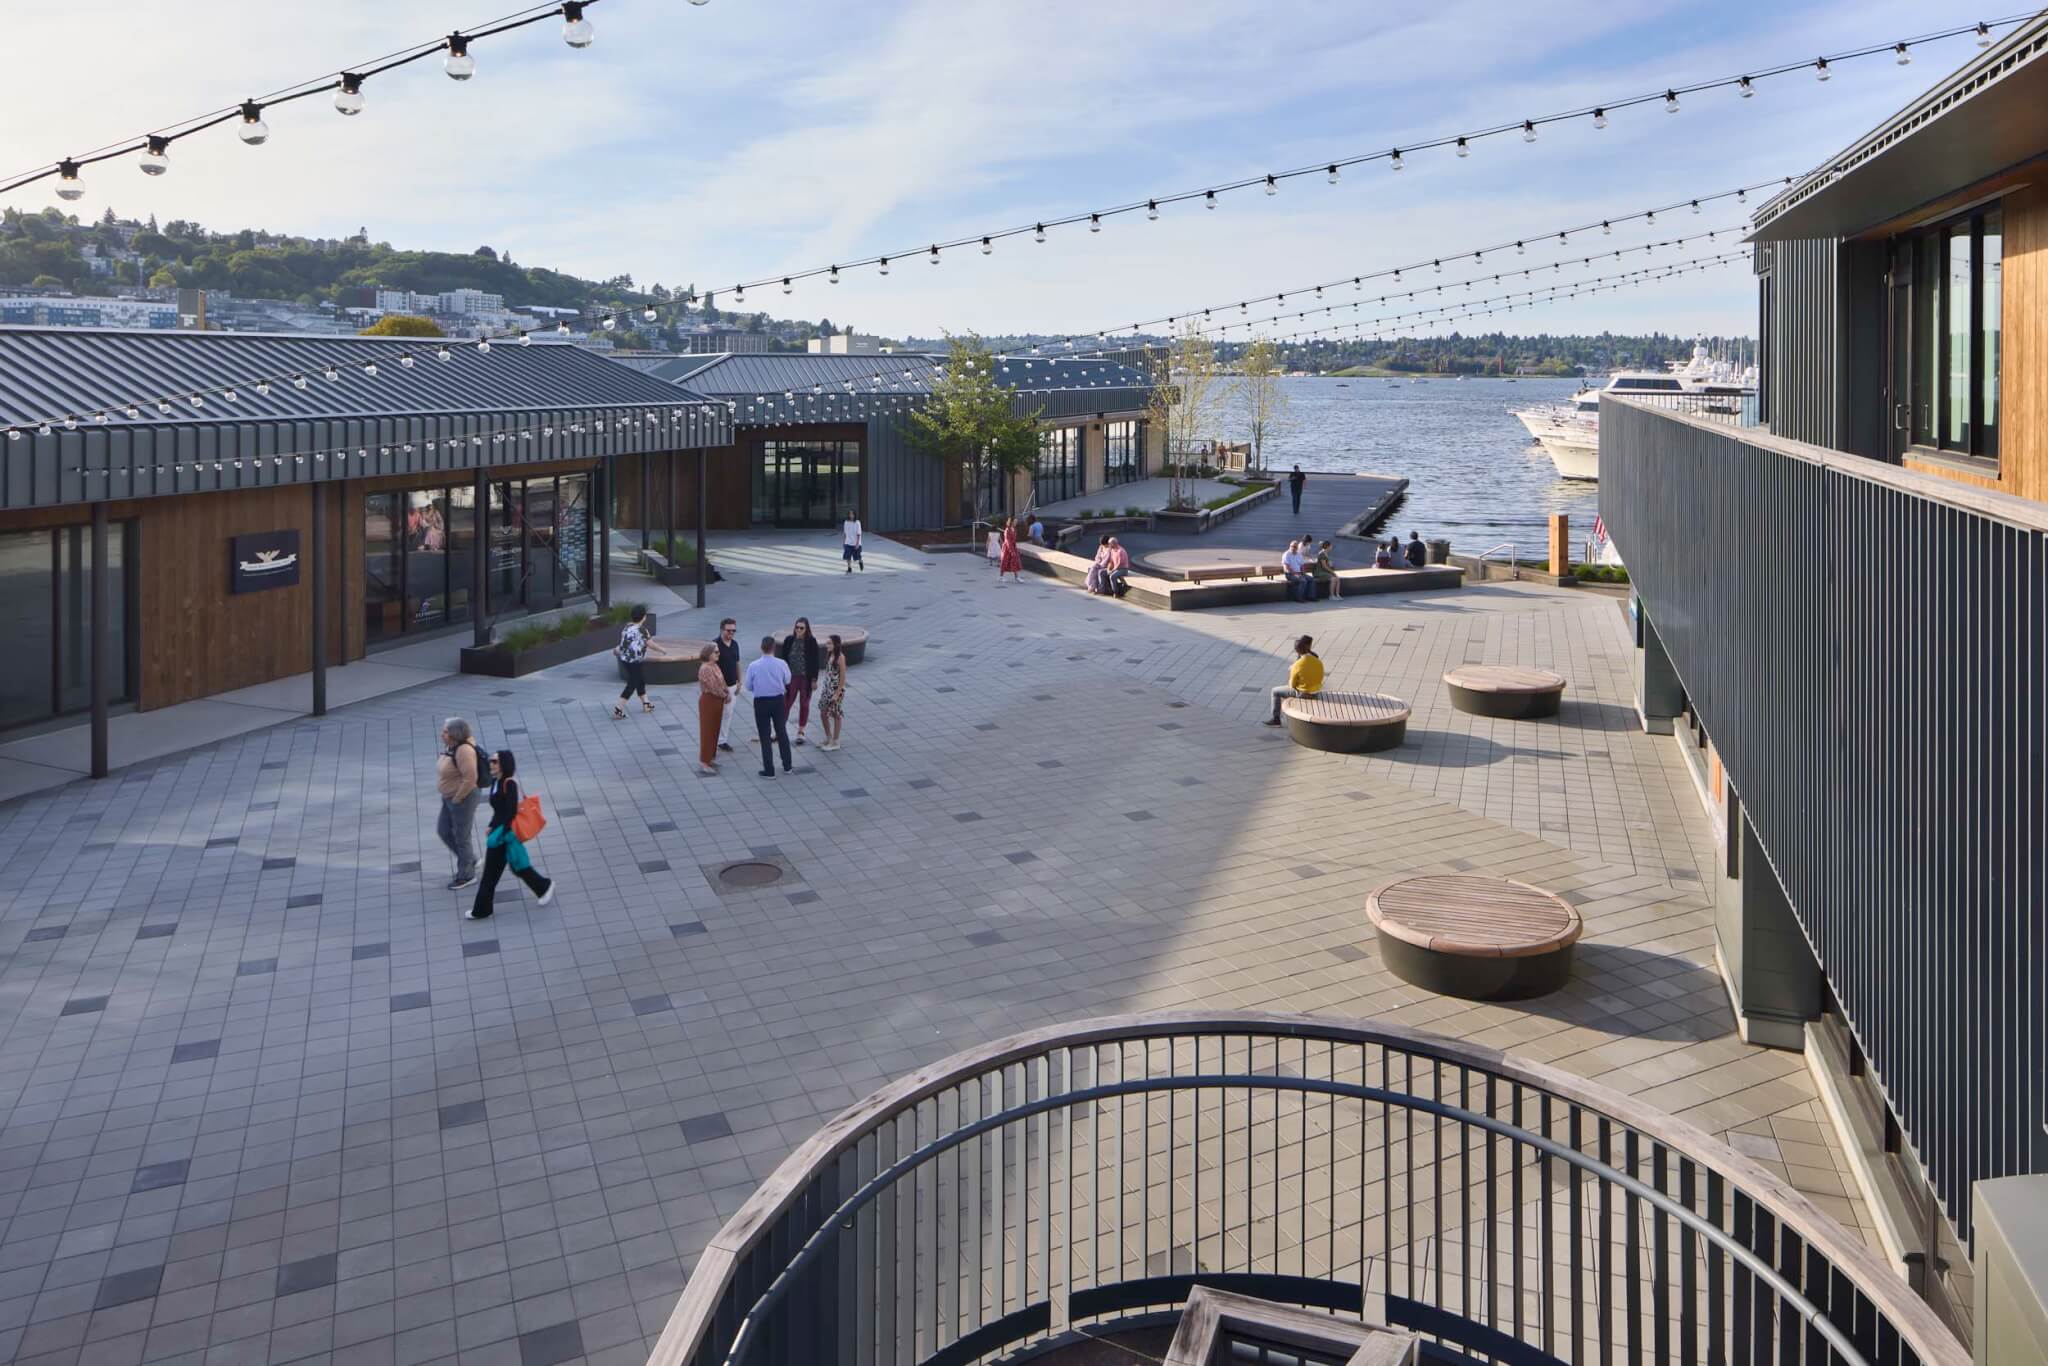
744 139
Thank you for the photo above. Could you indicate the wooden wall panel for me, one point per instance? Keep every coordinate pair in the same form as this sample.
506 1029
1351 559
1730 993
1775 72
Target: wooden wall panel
2023 371
728 483
198 638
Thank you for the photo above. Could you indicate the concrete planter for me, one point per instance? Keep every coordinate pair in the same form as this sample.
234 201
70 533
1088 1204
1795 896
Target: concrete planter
674 575
495 661
1181 523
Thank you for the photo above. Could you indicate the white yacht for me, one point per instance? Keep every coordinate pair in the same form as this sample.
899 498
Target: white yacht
1570 432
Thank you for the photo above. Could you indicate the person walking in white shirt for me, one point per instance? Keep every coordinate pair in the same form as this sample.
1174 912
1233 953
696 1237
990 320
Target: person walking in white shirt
849 534
767 681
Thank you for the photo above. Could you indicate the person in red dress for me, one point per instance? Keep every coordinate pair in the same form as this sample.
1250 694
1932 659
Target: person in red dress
1012 562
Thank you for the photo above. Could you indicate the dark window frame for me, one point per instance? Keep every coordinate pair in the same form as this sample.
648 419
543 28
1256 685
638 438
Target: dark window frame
1056 473
1925 255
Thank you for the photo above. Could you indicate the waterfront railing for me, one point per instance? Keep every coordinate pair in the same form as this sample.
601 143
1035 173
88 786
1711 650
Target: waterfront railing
1080 1181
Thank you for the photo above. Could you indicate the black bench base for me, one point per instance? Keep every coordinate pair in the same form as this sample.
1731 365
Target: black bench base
1507 706
1475 978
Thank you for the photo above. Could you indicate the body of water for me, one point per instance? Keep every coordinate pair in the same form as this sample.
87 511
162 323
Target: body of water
1474 475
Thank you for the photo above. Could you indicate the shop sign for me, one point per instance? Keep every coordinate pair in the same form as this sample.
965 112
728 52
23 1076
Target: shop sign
268 559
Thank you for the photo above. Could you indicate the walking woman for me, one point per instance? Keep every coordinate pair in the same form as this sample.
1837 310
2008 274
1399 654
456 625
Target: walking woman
632 653
1012 562
502 848
832 696
800 651
712 698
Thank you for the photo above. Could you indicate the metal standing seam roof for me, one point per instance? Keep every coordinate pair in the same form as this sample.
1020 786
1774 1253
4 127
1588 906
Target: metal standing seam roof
741 373
47 374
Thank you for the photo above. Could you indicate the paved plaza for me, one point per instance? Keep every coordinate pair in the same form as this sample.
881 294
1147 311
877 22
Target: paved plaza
265 1096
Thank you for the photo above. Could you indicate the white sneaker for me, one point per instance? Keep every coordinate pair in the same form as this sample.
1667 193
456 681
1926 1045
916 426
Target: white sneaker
549 894
472 914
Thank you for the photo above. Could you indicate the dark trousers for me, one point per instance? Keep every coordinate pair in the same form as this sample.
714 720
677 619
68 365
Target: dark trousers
768 719
799 697
494 868
636 680
1294 490
1299 587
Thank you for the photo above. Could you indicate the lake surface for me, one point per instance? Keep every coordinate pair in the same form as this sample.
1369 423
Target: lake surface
1474 475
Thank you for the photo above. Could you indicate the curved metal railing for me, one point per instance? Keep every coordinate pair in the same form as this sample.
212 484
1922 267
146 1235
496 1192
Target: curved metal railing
1091 1175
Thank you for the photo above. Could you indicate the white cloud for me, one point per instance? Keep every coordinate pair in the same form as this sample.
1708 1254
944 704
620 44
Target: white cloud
741 140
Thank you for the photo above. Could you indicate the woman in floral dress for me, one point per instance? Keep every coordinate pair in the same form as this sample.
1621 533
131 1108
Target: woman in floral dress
832 692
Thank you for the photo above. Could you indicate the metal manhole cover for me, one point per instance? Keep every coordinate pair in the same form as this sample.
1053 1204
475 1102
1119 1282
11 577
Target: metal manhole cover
749 874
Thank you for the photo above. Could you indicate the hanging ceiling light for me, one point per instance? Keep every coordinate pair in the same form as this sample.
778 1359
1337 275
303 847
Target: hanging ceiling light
154 161
68 188
576 30
253 129
460 66
348 98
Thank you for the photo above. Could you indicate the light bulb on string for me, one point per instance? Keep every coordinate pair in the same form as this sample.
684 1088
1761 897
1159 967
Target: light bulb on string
1038 235
348 99
1095 222
1983 35
576 30
1745 88
882 266
68 188
154 161
1152 209
611 323
648 314
1528 130
1606 228
1272 185
1671 101
483 345
787 286
526 338
253 129
934 257
1464 148
987 247
1394 160
440 353
1599 117
832 276
298 381
1695 206
1820 69
460 66
562 327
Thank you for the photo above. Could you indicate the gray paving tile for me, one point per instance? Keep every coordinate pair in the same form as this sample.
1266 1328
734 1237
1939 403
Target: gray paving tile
197 1051
549 1346
308 1273
126 1287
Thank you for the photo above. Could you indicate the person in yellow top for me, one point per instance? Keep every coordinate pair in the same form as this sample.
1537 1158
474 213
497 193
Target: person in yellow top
1304 679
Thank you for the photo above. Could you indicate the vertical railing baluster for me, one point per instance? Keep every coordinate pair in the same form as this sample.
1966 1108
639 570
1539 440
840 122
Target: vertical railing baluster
1633 1277
1607 1315
1577 1201
1660 1245
1688 1276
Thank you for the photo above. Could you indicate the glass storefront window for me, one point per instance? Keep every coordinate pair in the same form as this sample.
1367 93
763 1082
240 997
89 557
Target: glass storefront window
806 483
419 550
1057 474
383 568
572 534
46 620
1122 452
1955 275
426 558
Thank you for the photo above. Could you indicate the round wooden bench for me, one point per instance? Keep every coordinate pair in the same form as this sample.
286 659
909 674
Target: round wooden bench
1346 722
1504 690
854 639
1481 938
670 662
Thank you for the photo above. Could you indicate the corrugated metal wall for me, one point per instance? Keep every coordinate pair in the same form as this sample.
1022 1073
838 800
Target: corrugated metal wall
1824 343
1870 663
907 489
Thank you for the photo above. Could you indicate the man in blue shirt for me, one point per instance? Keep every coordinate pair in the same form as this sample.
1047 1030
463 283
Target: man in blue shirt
767 681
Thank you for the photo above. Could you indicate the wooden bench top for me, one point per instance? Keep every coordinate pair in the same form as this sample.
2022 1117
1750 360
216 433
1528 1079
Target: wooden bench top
674 650
1504 678
1346 709
1476 917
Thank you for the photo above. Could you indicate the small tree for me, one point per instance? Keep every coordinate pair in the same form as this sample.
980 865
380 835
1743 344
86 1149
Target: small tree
1262 403
972 420
1187 390
403 325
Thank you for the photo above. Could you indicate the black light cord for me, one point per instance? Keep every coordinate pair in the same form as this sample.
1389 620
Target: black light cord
390 61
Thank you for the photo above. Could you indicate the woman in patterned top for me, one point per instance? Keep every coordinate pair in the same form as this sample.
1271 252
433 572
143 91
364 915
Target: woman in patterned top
632 653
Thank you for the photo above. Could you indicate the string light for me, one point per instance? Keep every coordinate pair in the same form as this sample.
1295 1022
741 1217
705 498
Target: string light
154 162
1272 186
1464 148
253 129
1983 35
1671 101
1152 210
1394 160
68 187
1599 117
1037 236
1094 225
987 248
1745 87
1528 130
348 97
1905 57
1820 69
882 266
576 30
460 66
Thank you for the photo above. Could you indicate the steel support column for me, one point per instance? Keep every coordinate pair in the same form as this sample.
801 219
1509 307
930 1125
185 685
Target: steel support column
320 599
701 555
646 496
480 565
102 613
604 536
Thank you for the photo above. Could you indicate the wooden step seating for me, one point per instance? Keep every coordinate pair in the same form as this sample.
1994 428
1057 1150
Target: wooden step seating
1480 938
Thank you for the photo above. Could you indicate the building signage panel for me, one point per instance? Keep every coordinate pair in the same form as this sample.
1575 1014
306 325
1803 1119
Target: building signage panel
268 559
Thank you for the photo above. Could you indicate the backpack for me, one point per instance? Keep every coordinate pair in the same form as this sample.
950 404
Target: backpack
483 762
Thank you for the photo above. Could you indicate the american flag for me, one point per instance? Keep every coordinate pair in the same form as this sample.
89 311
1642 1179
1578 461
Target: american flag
1599 530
